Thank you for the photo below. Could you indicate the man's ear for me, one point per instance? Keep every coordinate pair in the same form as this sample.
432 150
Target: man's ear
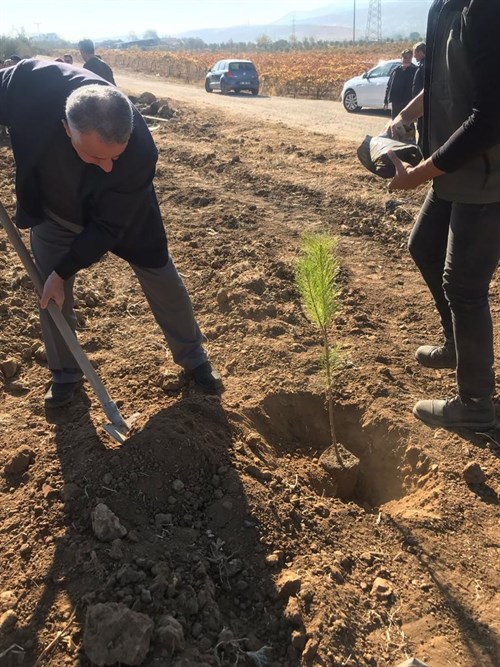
66 127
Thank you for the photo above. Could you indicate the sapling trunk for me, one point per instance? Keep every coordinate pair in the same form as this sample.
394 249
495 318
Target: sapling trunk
316 277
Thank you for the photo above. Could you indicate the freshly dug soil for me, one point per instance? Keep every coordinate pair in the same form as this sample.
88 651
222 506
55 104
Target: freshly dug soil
231 546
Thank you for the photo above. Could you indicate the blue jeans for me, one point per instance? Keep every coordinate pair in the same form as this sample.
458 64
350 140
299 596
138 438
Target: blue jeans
457 248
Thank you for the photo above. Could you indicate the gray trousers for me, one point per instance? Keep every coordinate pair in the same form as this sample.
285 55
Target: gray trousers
163 289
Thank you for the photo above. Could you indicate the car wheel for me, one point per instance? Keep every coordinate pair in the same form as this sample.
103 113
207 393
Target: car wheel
224 89
255 91
350 101
207 86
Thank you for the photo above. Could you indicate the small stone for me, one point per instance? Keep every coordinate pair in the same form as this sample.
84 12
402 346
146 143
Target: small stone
288 584
48 492
113 633
178 485
298 640
116 551
40 354
234 567
8 600
20 462
171 382
8 621
274 559
9 368
381 589
106 525
170 634
310 650
412 455
292 614
70 491
473 473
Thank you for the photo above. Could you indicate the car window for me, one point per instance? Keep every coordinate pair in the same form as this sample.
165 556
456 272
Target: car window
241 67
382 70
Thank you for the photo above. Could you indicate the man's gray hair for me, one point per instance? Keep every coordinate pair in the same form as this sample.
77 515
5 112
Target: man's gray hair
101 109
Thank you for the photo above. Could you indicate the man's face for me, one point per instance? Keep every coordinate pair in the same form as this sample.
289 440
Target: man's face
93 150
406 60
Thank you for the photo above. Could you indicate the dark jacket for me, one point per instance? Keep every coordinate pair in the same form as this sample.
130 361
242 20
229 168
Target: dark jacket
119 210
399 86
461 99
98 66
418 79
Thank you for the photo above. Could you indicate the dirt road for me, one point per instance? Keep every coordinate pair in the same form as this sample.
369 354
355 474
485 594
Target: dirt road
321 116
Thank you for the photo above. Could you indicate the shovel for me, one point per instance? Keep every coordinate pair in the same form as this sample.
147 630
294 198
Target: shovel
118 428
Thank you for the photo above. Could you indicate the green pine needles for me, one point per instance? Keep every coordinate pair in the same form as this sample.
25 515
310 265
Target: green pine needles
316 278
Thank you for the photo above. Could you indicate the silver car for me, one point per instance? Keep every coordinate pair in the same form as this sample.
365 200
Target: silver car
368 90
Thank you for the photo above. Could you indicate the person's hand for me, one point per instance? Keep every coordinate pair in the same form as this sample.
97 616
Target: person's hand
53 289
404 178
397 130
408 177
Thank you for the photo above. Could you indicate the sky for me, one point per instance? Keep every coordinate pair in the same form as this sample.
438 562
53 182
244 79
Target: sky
74 19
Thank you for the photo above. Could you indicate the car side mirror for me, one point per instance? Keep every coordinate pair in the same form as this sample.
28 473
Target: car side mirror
365 75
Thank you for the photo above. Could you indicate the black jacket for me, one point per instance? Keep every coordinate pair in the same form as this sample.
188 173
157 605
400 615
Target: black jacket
462 97
98 66
418 79
119 210
399 85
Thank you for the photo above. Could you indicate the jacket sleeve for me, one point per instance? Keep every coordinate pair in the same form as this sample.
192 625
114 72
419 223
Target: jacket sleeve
481 131
110 217
6 85
387 97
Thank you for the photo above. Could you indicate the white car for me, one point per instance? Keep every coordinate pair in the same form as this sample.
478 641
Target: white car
368 90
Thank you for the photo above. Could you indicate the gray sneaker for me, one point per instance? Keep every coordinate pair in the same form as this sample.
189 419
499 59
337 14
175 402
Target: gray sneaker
472 414
437 356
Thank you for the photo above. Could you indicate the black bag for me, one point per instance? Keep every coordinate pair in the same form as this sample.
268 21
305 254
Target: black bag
373 154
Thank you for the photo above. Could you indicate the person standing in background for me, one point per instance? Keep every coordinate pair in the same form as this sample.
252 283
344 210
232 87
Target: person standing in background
93 63
418 84
399 86
455 242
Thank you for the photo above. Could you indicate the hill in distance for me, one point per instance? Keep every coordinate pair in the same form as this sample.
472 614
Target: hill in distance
332 22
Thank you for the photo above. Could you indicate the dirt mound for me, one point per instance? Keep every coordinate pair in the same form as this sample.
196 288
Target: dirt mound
232 550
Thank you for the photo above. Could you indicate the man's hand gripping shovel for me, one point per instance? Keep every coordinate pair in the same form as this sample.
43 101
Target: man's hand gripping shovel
118 428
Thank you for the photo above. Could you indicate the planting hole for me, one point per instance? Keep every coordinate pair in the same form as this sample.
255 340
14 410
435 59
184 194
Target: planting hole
297 424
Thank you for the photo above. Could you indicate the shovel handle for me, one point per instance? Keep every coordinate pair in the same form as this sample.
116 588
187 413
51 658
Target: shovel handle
108 405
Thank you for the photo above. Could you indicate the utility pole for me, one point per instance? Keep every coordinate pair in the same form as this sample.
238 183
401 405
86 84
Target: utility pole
38 24
354 23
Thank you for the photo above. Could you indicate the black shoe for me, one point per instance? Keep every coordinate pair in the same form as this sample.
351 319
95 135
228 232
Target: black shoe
206 378
437 356
476 415
60 394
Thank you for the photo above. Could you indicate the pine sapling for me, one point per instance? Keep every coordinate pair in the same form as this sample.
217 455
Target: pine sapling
316 278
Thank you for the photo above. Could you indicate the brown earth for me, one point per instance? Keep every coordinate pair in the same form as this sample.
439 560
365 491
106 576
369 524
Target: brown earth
230 526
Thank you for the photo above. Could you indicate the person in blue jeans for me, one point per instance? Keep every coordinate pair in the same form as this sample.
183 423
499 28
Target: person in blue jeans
456 240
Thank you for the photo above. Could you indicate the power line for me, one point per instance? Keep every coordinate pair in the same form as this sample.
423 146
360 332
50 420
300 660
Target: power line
374 22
